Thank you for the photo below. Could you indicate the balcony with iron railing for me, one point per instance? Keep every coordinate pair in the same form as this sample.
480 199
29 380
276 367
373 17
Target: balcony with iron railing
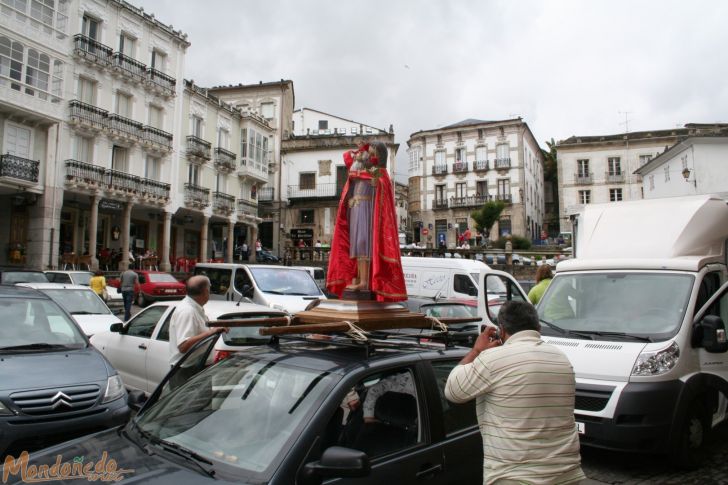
439 204
614 177
313 191
266 194
439 170
129 66
247 207
88 115
506 198
19 168
583 178
197 196
197 147
122 181
85 173
258 171
125 127
480 165
156 137
468 201
92 50
223 203
460 167
154 189
224 160
163 82
501 163
97 177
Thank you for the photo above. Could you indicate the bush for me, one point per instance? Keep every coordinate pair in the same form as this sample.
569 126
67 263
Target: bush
521 243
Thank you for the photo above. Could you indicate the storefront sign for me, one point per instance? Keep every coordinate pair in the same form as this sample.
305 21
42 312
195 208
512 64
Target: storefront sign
110 205
301 234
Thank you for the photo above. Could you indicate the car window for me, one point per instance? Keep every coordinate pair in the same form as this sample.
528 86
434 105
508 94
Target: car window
241 279
78 302
219 279
379 416
709 285
455 417
143 324
463 284
80 278
35 321
162 278
164 331
14 277
285 281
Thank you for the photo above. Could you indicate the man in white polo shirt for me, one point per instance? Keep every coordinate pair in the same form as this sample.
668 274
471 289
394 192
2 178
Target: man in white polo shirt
189 322
524 392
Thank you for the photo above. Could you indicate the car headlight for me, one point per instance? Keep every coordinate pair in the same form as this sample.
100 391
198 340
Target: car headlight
4 411
114 389
656 362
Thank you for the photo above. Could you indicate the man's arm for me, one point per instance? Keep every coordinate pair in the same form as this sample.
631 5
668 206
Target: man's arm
188 343
471 377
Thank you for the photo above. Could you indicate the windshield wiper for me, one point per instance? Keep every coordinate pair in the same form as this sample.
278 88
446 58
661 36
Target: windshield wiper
563 331
36 346
641 338
84 312
299 294
185 453
274 292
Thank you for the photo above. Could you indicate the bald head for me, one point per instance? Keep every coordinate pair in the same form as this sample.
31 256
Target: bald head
198 288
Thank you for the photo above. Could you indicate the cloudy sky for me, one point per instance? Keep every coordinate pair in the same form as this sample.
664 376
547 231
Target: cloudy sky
566 67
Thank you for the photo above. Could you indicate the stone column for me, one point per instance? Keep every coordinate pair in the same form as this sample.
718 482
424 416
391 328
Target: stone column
125 229
164 264
92 228
203 238
253 240
230 242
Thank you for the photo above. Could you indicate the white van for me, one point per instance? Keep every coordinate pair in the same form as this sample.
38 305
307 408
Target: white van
641 315
445 278
281 287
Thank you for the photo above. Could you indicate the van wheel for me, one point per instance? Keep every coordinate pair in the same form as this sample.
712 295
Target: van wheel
689 450
141 301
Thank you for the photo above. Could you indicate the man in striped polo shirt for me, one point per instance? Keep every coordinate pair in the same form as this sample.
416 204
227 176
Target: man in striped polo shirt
524 392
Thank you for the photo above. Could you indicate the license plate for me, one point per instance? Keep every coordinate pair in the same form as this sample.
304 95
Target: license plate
170 291
580 427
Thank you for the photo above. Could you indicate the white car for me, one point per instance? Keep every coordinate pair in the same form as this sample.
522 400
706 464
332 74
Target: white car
84 305
82 278
139 349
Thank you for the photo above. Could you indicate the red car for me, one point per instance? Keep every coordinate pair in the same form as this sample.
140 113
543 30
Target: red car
155 286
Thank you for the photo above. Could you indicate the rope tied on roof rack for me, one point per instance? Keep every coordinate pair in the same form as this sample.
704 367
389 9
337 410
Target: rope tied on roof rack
355 332
435 323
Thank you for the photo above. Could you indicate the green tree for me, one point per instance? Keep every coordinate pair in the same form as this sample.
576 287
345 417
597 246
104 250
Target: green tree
487 215
551 179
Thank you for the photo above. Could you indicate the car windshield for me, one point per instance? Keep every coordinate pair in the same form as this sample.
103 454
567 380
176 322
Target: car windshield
162 278
242 412
643 304
243 335
285 281
35 324
449 311
78 302
81 278
13 277
495 285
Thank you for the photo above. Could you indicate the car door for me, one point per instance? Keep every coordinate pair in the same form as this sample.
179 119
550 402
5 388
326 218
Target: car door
158 351
394 458
127 352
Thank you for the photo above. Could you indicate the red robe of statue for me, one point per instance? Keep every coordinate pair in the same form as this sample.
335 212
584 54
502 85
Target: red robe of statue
386 279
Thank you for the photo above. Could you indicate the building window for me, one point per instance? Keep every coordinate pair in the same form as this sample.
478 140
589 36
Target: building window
440 158
41 12
460 190
652 182
481 187
502 151
123 104
119 158
31 68
307 180
86 91
667 173
504 226
584 196
223 138
323 124
306 216
220 183
126 44
644 159
196 126
614 165
504 188
266 110
83 149
461 155
155 117
151 168
193 175
439 194
90 27
615 195
414 160
582 168
481 154
159 60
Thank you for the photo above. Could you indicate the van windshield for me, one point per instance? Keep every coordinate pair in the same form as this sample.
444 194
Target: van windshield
285 281
643 305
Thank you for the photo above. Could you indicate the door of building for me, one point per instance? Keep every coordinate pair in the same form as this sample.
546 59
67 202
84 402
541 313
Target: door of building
18 235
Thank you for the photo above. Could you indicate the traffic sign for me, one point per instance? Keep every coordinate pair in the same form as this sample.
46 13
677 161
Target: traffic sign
425 231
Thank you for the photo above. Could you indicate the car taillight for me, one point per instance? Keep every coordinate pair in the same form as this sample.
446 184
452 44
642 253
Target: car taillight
220 355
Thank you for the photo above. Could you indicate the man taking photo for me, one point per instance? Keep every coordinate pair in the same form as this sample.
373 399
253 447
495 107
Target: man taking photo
524 391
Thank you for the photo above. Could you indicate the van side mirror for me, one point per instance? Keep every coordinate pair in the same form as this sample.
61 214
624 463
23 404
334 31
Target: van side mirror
117 327
137 399
710 334
336 462
247 291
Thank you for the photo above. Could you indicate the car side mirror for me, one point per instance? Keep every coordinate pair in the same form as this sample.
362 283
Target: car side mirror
136 401
710 334
117 327
247 291
336 462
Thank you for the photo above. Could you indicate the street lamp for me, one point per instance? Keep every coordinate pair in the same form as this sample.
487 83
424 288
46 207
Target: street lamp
686 175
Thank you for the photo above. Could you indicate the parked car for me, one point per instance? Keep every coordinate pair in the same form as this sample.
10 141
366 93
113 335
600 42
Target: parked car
82 278
13 276
53 385
265 256
139 349
273 415
84 305
155 286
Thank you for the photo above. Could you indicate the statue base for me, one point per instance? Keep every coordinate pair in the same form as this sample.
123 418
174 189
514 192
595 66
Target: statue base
359 312
358 295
